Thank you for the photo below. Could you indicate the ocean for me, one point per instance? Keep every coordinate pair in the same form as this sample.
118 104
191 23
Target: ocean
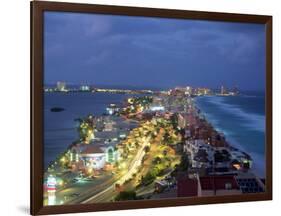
242 120
60 128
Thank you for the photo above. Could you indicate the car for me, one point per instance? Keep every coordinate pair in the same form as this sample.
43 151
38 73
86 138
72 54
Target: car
74 180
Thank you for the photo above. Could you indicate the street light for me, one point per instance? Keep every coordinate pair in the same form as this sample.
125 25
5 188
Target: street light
62 159
61 183
90 170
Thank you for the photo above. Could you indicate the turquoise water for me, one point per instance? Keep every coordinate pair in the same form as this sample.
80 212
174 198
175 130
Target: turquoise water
242 120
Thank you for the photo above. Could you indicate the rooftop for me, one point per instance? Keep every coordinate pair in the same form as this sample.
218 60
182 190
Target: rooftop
249 185
187 187
91 149
218 183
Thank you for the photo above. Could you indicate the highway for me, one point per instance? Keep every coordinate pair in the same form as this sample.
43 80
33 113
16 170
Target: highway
108 193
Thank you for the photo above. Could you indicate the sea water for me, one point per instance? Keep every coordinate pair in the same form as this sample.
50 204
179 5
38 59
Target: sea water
60 128
242 119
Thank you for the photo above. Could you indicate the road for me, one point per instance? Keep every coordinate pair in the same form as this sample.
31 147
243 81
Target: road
101 189
83 189
108 193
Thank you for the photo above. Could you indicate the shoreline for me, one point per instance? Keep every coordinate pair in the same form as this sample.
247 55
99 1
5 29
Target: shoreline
257 168
224 155
69 115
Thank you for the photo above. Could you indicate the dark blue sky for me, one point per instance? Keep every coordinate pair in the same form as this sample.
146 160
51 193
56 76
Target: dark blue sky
139 51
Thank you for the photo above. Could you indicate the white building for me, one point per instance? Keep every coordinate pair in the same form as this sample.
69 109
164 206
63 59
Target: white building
201 153
94 156
112 109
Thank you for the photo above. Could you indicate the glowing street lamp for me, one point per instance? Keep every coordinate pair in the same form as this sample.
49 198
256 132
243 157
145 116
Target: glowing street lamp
90 170
123 165
62 159
60 182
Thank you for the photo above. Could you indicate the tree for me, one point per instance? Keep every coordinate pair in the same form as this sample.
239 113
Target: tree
126 195
148 178
157 160
146 149
184 164
182 167
174 121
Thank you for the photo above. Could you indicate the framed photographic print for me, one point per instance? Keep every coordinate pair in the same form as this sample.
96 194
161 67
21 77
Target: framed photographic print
139 107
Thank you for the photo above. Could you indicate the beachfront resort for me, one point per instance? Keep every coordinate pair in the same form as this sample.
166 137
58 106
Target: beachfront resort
152 145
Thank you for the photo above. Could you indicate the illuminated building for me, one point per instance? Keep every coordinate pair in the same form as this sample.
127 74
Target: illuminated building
223 90
178 91
109 125
112 109
95 156
181 119
85 88
188 90
61 86
202 91
51 184
157 108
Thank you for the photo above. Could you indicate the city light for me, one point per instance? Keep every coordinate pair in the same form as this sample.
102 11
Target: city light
146 142
130 100
123 165
51 183
157 108
63 159
60 182
90 170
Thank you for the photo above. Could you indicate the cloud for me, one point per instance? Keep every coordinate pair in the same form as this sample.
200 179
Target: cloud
121 46
180 37
97 26
98 58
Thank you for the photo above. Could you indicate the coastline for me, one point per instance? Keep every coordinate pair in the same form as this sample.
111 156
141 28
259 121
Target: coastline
258 160
215 119
62 124
175 123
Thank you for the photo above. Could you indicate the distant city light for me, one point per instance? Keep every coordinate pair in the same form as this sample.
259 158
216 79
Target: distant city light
157 108
85 88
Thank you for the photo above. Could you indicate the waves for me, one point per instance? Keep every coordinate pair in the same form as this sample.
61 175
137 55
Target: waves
251 120
216 123
242 122
258 158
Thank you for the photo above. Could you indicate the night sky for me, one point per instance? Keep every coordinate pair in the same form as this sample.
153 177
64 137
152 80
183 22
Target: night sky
152 52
